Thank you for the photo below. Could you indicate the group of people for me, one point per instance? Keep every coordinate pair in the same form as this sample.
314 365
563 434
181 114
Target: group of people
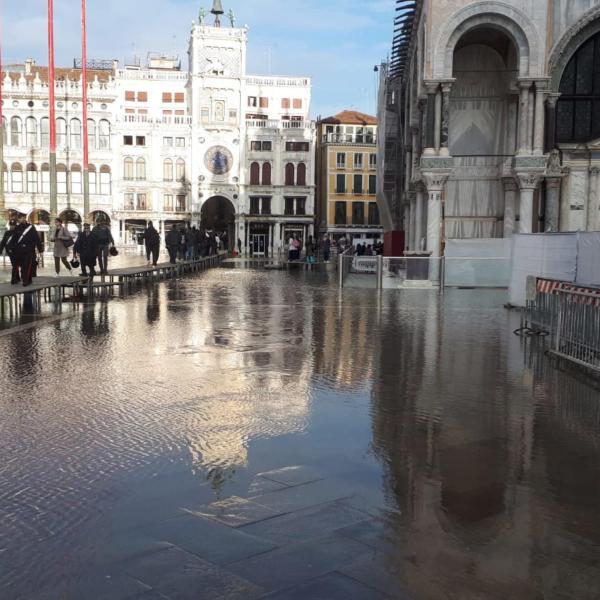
370 250
22 244
313 248
188 243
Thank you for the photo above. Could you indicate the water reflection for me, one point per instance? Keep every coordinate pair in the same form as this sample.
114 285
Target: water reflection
480 461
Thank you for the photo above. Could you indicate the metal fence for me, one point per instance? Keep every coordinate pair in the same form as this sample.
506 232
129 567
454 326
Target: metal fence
569 315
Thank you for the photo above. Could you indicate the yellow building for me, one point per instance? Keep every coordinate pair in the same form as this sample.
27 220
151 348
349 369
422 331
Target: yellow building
346 170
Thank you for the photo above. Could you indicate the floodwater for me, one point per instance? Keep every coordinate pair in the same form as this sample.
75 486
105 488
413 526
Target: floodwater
452 460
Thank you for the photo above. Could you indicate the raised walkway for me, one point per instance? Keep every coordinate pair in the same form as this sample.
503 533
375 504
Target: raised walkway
57 289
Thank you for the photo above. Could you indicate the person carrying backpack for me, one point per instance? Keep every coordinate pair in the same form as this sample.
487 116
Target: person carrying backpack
103 240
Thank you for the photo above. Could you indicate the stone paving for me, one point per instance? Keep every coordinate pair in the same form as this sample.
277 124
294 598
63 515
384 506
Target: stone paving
298 535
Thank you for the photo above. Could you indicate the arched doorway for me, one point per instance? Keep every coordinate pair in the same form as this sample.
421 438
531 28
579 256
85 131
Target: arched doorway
483 130
99 216
218 215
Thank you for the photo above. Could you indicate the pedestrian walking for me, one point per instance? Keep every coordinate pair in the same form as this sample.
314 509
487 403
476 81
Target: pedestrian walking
152 241
172 241
190 242
104 240
85 248
239 247
297 248
310 251
326 248
25 242
62 243
7 245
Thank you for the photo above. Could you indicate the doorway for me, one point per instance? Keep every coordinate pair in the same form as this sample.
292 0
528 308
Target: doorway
259 244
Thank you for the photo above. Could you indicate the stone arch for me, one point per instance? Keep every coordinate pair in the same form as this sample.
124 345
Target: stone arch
562 52
492 14
218 214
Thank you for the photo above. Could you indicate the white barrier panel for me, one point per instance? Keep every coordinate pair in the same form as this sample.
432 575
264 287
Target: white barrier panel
588 259
478 262
550 255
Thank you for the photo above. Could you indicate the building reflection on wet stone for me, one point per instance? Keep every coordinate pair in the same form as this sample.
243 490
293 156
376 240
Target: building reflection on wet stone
476 462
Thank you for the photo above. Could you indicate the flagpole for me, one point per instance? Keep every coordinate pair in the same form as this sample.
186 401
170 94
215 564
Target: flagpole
84 87
52 107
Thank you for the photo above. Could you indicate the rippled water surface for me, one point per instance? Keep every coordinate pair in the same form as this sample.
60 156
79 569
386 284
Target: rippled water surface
480 463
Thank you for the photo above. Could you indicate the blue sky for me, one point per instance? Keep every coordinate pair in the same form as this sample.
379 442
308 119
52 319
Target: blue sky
336 42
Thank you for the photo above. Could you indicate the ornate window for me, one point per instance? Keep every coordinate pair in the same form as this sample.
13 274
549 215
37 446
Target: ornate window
578 109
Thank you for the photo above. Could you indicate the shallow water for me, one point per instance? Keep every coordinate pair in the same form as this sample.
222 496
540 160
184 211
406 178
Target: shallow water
479 461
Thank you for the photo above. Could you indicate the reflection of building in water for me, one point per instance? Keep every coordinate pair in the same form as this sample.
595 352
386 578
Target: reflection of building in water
259 341
344 349
490 486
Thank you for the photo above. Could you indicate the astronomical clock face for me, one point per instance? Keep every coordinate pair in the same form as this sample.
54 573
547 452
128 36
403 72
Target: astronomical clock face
218 160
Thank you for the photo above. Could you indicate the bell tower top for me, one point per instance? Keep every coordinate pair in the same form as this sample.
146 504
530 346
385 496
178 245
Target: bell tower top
217 10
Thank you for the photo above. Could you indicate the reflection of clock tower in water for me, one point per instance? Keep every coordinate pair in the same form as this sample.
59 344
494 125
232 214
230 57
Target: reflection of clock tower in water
217 58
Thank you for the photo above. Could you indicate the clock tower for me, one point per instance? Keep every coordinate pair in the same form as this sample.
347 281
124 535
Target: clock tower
217 63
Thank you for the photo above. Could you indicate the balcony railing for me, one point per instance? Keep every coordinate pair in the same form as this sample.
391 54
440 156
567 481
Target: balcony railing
277 125
146 120
347 138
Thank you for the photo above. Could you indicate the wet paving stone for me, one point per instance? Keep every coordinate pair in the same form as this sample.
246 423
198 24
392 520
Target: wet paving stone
293 565
295 475
210 540
306 524
182 576
304 496
333 586
235 511
260 486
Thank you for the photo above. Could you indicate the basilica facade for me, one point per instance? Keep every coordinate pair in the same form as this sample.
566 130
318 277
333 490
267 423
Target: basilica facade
489 118
208 145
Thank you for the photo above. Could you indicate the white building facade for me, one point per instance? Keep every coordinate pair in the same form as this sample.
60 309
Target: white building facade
210 146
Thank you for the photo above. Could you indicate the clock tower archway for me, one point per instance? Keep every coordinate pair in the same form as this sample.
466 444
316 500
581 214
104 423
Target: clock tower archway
218 215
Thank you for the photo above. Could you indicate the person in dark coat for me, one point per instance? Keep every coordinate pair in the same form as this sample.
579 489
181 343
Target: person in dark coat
172 241
25 242
104 240
6 244
85 248
152 241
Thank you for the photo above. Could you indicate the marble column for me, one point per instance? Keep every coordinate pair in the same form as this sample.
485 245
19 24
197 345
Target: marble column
431 87
550 142
414 132
592 204
413 222
407 167
435 186
538 133
528 183
523 116
445 117
419 205
422 123
553 185
438 122
510 205
407 232
530 120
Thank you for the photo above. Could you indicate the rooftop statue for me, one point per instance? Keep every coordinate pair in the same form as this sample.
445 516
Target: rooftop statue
202 16
231 16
